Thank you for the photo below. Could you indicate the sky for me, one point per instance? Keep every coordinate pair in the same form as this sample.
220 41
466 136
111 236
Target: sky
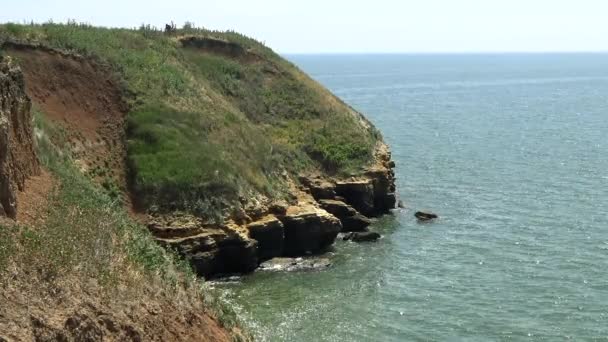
355 26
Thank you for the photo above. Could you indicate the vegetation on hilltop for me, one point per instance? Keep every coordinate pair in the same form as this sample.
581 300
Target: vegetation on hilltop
206 127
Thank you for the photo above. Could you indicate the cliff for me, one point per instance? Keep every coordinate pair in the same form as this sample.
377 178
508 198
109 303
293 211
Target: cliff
84 271
18 159
227 152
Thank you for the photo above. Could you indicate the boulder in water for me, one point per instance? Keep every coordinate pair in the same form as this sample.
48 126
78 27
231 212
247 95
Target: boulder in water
361 236
423 216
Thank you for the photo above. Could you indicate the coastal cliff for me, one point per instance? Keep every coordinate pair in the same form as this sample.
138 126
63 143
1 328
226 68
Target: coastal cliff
227 152
323 207
54 271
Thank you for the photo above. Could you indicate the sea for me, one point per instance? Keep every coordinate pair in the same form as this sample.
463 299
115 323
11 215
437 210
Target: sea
511 151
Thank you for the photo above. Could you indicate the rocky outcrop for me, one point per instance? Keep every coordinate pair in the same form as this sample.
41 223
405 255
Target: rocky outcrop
269 232
17 155
423 216
300 229
352 220
211 250
320 210
359 194
372 193
309 230
319 188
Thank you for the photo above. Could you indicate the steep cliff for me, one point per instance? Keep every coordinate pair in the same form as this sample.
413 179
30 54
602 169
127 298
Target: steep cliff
84 271
17 156
228 152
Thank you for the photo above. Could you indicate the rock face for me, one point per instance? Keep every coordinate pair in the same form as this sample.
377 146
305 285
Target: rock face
309 231
17 155
352 220
267 233
371 194
319 188
210 250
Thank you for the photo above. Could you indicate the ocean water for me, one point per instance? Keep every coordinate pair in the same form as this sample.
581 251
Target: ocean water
512 152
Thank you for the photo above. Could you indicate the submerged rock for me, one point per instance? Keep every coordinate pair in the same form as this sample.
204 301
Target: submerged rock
295 264
423 216
361 236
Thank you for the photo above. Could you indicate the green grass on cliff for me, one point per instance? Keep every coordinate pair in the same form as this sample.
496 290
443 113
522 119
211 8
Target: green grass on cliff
84 228
87 234
204 127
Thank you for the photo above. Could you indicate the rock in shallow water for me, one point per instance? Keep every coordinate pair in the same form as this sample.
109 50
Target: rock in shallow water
295 264
361 236
422 216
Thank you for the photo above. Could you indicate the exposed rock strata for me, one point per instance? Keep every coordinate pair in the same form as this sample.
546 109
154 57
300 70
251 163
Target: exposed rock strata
352 220
17 156
210 250
372 193
233 248
323 208
269 232
308 230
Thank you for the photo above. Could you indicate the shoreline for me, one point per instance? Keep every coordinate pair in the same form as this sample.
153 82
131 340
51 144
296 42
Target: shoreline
324 207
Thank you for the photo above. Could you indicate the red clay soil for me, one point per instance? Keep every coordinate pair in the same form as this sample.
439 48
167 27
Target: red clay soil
34 200
85 99
82 97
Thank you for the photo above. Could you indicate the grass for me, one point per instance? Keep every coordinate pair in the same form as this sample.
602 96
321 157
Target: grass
204 128
85 228
88 234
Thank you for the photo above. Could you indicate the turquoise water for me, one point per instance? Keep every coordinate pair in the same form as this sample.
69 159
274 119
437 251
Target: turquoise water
511 152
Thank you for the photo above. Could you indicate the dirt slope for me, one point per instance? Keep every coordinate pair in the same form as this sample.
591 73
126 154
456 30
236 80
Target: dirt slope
83 98
37 304
75 311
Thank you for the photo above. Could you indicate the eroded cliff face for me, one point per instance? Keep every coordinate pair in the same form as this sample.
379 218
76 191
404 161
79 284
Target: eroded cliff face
18 159
322 208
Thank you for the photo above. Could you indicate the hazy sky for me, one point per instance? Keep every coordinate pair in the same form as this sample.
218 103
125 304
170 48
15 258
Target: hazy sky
330 26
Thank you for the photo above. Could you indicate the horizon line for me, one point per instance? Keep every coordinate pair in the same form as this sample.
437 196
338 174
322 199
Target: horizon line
481 52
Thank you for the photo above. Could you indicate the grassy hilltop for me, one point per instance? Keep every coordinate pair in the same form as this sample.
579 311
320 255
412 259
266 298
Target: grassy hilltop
215 117
203 122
